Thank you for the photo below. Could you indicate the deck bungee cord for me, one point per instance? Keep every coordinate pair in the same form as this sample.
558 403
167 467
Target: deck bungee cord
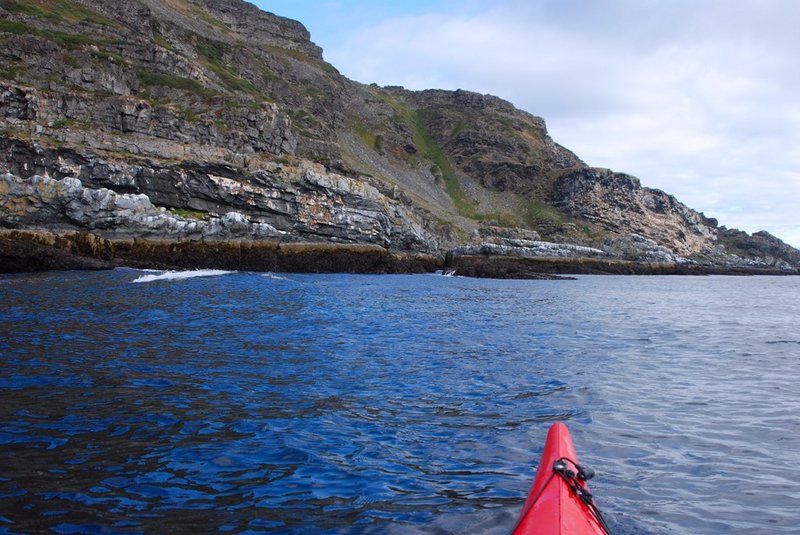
559 502
575 480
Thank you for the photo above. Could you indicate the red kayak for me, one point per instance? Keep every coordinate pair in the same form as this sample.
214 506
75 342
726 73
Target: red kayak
559 502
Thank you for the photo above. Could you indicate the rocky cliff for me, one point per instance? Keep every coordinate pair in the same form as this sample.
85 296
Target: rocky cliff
211 120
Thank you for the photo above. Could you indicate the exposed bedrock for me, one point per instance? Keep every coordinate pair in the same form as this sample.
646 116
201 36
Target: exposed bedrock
38 250
302 204
618 203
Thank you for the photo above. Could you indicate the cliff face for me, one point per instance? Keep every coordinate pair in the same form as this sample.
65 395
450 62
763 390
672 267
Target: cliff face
619 203
286 203
504 148
220 110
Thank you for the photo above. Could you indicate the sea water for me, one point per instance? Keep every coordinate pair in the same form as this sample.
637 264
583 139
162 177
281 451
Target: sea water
153 402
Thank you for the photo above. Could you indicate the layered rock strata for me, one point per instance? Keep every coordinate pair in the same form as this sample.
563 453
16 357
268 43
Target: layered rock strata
617 202
314 206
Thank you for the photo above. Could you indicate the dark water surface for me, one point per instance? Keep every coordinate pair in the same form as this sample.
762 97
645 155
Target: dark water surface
393 404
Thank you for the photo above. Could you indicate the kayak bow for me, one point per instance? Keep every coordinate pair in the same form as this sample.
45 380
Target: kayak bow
559 501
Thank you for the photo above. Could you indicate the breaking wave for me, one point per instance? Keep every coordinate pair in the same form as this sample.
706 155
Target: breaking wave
181 275
273 276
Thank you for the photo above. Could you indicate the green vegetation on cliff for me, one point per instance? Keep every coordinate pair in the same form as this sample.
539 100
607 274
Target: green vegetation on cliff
67 40
148 79
56 11
214 53
428 149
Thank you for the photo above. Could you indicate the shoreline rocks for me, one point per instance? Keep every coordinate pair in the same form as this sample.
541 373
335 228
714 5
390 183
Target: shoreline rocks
42 250
60 224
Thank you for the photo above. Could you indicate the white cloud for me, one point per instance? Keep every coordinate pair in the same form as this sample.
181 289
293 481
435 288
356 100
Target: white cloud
700 99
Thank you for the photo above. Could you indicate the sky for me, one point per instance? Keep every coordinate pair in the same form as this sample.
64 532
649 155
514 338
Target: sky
699 98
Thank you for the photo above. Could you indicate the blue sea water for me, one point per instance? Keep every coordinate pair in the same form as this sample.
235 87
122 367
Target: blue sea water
135 402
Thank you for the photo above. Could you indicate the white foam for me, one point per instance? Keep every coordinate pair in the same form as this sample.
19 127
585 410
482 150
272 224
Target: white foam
180 275
270 275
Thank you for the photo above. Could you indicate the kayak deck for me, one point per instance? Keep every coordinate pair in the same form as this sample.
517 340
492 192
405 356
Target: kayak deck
559 501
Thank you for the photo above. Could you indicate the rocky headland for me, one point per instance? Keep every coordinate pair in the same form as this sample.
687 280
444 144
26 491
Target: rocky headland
199 133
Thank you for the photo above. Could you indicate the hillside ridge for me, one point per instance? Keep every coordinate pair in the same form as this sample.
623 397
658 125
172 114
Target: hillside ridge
214 107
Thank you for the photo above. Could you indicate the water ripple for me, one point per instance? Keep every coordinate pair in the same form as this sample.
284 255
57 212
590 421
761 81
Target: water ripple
345 404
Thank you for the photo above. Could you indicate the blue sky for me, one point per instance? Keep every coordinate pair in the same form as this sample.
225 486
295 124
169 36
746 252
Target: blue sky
699 98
